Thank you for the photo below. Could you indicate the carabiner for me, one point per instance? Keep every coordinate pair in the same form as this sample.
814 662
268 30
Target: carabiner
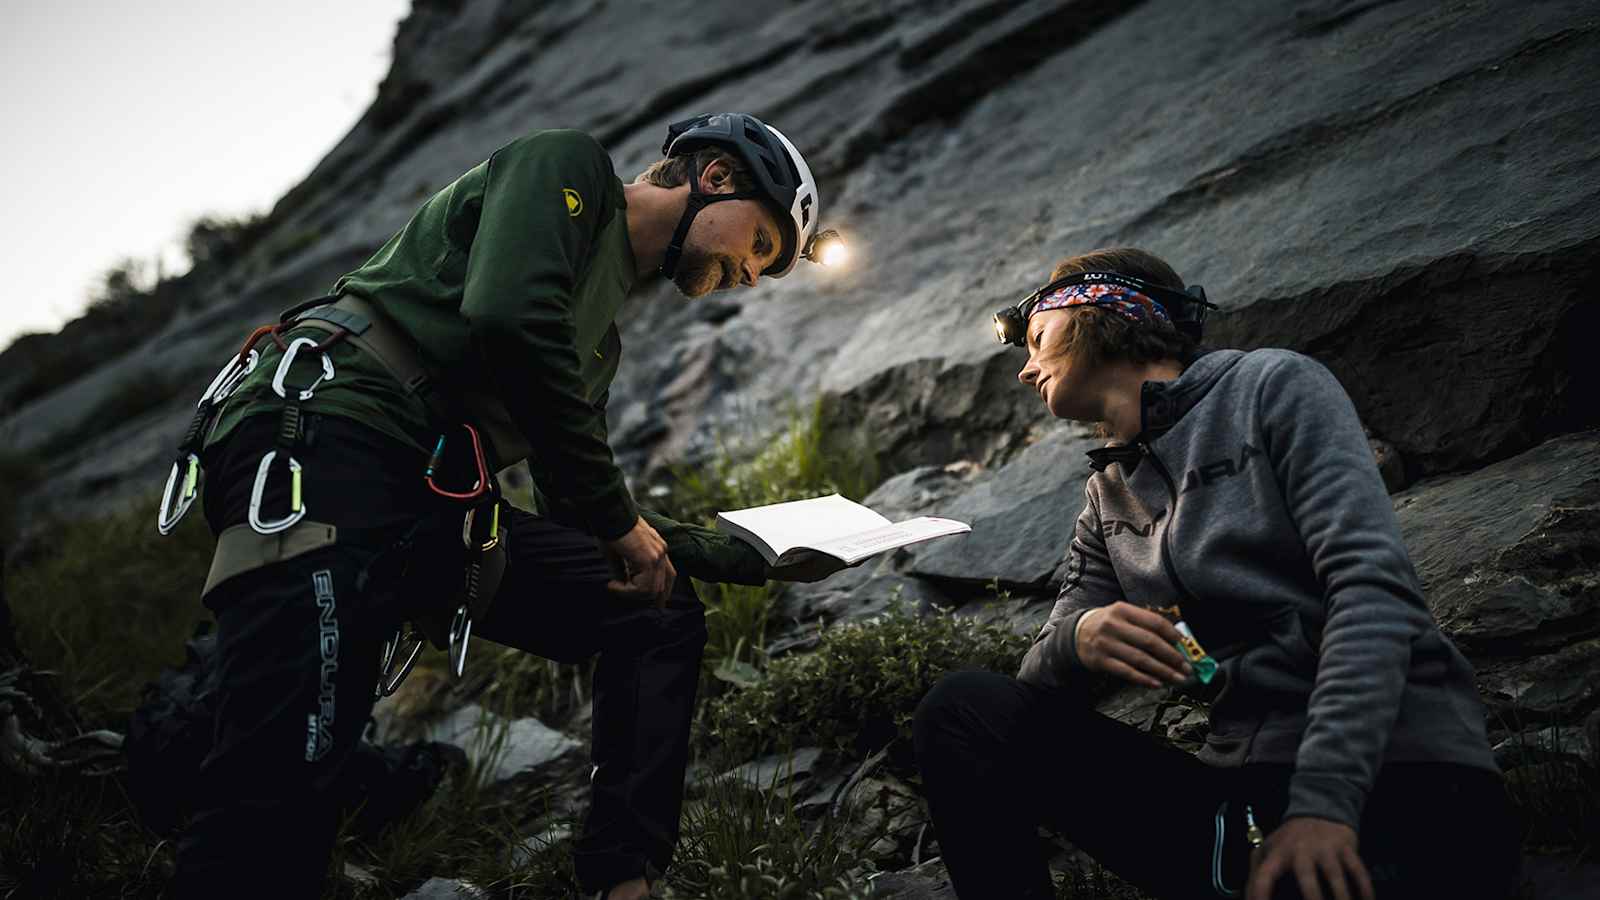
297 508
231 383
229 378
388 679
460 634
288 360
473 538
170 513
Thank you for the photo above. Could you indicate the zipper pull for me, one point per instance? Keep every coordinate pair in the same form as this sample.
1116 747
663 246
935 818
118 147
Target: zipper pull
1252 831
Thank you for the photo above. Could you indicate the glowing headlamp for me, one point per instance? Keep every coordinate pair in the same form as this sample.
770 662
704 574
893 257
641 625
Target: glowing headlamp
827 248
1185 308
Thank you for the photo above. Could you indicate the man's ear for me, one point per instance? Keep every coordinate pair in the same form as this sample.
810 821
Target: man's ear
717 178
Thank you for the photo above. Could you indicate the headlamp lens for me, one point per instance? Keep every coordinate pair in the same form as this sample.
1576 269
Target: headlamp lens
828 249
1009 326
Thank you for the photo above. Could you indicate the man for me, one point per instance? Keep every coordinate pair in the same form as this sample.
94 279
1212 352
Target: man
495 308
1347 744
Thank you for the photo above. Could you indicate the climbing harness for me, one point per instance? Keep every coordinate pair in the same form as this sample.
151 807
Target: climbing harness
261 540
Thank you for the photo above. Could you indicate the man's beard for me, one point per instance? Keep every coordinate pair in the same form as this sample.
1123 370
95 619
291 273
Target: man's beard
698 274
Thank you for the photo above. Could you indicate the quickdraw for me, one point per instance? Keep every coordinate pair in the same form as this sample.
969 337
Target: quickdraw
480 533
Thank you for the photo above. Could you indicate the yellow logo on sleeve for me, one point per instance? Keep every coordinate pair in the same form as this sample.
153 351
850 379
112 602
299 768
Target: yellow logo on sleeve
574 202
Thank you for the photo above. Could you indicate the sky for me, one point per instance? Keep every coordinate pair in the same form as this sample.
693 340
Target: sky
125 122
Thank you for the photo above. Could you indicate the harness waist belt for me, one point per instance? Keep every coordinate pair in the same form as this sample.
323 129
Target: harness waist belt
373 333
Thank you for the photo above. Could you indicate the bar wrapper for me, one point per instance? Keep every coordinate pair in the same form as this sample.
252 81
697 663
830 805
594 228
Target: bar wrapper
1205 668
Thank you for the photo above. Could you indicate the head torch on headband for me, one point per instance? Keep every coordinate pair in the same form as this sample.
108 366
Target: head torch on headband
1185 309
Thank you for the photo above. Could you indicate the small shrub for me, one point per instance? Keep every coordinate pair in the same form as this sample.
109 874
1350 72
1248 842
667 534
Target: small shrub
858 690
743 843
109 603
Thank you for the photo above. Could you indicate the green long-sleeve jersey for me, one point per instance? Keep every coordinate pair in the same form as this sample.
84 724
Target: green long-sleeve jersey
509 281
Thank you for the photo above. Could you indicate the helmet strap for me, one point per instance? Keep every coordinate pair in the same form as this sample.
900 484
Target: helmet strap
697 201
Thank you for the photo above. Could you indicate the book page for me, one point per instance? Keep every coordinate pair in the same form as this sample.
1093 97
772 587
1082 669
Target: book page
852 548
804 523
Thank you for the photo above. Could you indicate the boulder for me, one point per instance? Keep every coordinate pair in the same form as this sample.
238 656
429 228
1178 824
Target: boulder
506 746
928 881
1022 515
1509 555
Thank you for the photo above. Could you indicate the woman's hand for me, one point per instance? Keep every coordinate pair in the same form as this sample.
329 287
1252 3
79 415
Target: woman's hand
1132 643
1317 851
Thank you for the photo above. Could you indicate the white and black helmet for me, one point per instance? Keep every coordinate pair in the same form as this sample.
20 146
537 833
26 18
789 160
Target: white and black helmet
783 181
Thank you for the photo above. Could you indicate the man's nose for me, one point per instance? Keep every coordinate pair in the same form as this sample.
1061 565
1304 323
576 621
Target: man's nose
751 273
1028 373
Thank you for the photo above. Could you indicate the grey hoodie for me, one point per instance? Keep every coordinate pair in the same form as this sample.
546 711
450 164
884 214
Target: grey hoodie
1252 499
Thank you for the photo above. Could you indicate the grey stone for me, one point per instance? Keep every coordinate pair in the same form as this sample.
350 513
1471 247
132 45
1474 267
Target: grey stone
447 889
777 770
1559 687
1509 555
508 746
1022 516
929 881
1542 745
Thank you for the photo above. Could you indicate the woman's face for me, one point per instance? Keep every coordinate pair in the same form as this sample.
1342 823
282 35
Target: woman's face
1050 370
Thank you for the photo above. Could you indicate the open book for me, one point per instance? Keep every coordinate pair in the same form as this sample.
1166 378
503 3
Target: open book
793 532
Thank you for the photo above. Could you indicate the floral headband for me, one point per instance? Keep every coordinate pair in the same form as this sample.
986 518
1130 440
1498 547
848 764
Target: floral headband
1124 301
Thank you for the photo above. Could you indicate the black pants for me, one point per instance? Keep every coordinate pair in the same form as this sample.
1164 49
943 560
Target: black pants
1000 757
298 651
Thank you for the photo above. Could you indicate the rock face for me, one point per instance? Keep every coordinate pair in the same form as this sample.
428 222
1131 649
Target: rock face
1403 191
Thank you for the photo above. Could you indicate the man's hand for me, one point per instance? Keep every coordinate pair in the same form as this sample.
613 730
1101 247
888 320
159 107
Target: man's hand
645 571
1132 643
1317 851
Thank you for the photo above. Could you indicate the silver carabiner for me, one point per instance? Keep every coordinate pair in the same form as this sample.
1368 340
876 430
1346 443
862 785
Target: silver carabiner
297 507
170 513
388 679
230 379
460 634
288 360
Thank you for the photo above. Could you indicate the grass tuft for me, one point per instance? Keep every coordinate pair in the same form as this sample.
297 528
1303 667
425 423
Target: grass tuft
109 603
858 690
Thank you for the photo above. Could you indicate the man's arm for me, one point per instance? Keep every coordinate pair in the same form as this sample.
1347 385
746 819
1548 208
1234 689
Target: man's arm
1090 583
708 554
1375 607
521 273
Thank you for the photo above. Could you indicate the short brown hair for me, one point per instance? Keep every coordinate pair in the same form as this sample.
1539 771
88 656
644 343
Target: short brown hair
1101 336
672 171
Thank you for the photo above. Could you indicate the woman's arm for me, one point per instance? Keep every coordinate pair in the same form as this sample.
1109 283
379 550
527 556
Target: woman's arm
1375 608
1090 583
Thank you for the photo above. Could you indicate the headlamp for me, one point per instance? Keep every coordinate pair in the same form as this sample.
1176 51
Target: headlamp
827 248
1186 308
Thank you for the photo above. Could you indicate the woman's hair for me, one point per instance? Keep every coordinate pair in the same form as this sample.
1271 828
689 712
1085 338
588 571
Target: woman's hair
1099 336
672 171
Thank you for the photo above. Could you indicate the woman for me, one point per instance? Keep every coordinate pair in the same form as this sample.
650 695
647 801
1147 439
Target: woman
1239 488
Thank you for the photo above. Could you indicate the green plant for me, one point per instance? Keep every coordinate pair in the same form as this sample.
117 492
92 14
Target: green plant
858 690
805 459
746 842
108 604
66 836
1554 791
463 831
